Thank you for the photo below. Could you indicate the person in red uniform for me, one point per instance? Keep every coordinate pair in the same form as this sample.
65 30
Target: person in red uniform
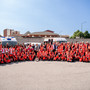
11 51
3 50
63 56
6 58
0 51
49 55
77 55
0 46
44 54
31 56
15 56
21 56
69 57
87 56
1 57
39 54
25 55
57 56
52 55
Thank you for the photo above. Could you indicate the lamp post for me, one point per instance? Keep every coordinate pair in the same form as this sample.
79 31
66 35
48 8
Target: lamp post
60 33
82 25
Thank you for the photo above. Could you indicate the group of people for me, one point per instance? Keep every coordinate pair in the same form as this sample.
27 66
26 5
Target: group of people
48 51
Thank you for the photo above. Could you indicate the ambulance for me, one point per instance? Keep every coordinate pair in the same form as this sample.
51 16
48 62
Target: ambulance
11 41
26 43
55 39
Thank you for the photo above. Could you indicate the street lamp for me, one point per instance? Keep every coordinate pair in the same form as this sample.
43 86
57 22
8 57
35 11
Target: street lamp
82 25
60 33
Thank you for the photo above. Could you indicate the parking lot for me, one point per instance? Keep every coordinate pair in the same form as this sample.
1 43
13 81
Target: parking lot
45 75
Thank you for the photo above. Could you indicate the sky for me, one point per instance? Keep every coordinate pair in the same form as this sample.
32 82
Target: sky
62 16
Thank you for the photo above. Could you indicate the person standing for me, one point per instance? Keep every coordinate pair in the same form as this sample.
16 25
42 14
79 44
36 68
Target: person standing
0 46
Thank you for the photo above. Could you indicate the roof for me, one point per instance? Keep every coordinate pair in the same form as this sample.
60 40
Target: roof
43 33
49 31
28 32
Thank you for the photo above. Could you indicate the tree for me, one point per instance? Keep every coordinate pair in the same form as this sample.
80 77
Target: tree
80 34
86 34
72 37
75 33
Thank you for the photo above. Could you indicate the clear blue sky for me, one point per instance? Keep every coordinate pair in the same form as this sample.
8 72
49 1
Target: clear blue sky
61 16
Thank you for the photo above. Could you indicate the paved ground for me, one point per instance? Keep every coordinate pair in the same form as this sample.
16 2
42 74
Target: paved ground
45 75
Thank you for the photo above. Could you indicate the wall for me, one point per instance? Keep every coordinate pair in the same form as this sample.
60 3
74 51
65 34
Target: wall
22 40
79 40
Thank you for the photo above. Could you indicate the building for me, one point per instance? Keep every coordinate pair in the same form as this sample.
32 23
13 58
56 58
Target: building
15 33
46 33
64 36
7 32
11 32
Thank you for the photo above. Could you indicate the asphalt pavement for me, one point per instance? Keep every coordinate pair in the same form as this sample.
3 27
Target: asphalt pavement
45 75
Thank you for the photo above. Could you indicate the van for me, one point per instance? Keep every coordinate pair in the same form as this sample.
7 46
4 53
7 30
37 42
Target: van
11 41
55 39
